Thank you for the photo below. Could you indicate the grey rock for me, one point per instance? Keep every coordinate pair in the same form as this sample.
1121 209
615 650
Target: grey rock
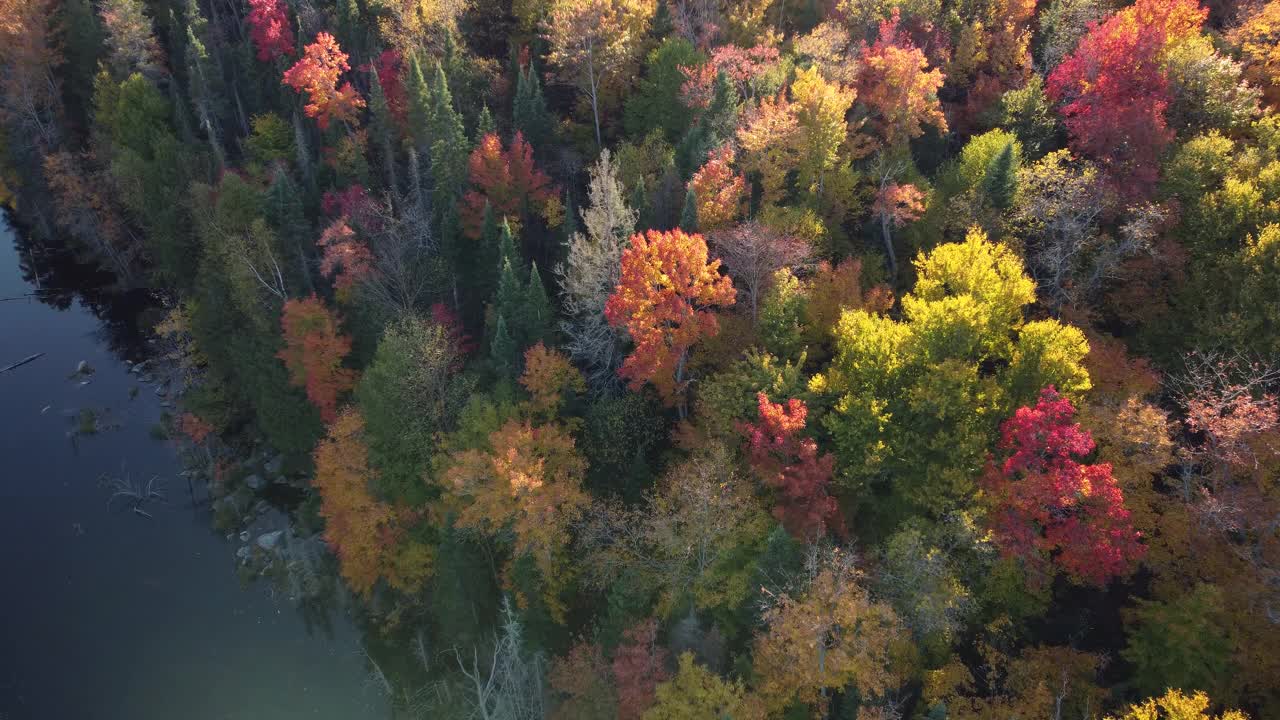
84 368
255 482
243 552
244 536
274 465
268 541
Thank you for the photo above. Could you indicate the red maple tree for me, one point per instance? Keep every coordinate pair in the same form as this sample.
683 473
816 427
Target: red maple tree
317 74
789 463
639 665
269 29
313 353
896 87
344 260
664 299
1048 507
506 179
1113 90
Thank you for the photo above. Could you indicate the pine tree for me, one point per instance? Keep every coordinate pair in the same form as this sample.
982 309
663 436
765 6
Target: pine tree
484 125
383 129
1001 179
449 147
201 88
507 247
509 302
529 112
351 28
537 307
421 107
640 203
502 350
689 217
287 217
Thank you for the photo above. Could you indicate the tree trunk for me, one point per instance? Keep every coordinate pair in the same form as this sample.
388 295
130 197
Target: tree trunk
888 246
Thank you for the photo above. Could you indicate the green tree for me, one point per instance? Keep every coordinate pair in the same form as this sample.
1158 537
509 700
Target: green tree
529 112
689 216
1180 643
656 102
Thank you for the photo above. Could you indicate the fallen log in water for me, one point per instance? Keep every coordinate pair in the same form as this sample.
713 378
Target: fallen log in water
20 363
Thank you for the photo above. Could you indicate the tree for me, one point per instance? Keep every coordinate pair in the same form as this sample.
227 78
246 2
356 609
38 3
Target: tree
689 215
528 482
1258 38
1113 90
313 353
639 666
270 30
720 192
582 680
1181 643
449 162
591 272
752 253
131 40
344 259
896 205
317 74
791 465
1049 506
593 41
916 403
656 102
29 55
899 92
830 636
664 299
365 533
529 114
510 685
1176 705
507 181
696 693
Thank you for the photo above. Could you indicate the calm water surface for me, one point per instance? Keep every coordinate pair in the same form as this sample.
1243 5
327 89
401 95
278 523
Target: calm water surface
107 614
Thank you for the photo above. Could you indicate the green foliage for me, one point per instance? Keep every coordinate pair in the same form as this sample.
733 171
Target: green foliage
529 113
689 215
620 435
782 316
656 103
917 402
729 396
271 140
1182 643
1027 113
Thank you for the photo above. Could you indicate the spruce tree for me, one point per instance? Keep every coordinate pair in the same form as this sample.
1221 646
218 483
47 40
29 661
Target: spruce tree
529 112
421 108
640 203
383 129
689 217
538 311
484 125
507 251
502 350
509 303
1001 179
449 147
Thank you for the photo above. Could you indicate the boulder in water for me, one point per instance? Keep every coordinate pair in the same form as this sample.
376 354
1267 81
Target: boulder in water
268 541
255 482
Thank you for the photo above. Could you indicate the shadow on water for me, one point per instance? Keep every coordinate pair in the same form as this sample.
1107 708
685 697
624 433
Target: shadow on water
110 613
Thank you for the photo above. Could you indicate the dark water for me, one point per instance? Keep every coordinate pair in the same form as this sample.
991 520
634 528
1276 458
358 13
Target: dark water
107 614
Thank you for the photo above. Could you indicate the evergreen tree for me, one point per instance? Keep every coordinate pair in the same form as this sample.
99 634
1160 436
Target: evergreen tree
351 31
82 49
502 350
507 247
383 129
538 310
529 112
1000 182
449 147
640 203
689 216
484 126
421 107
205 101
509 303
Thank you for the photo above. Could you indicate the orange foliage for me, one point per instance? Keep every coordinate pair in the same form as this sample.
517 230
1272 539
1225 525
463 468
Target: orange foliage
664 301
365 533
313 353
345 260
317 75
720 191
833 289
895 85
548 376
508 181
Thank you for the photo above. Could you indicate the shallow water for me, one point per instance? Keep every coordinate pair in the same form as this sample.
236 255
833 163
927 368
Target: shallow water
105 613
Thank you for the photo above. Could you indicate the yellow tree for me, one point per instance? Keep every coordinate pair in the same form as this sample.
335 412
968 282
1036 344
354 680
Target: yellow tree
696 693
593 41
527 482
1175 705
365 533
832 636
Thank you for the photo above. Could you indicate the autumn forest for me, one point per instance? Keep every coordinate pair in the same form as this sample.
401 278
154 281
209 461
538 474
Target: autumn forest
694 359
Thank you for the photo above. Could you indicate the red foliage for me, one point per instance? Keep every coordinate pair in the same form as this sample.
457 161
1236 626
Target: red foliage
664 299
345 260
445 317
899 204
1047 505
194 428
313 353
790 464
351 202
1113 90
507 179
720 191
317 75
389 66
743 66
639 665
269 28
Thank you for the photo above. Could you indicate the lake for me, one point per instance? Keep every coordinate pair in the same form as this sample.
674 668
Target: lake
106 613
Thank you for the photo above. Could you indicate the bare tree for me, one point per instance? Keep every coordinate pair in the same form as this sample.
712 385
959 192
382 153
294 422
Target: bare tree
400 245
752 253
591 273
510 686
